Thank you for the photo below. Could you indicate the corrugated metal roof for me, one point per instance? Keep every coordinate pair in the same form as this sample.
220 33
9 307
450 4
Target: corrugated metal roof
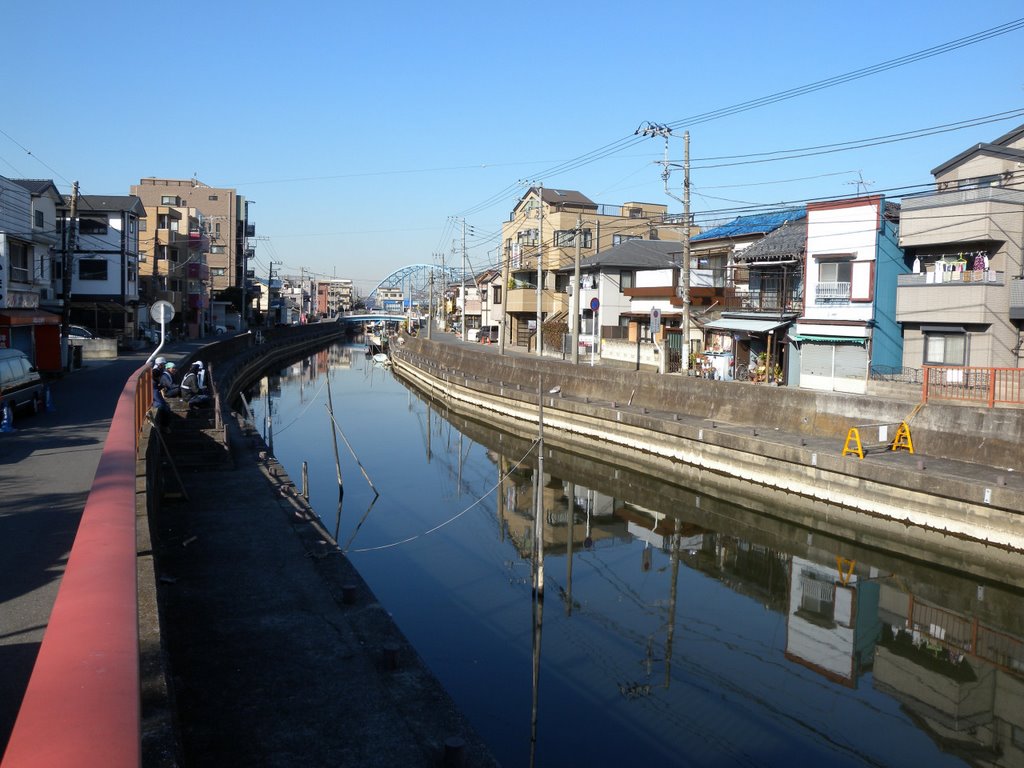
757 224
744 324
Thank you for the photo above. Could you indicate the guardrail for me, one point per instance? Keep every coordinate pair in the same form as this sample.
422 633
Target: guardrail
974 385
81 707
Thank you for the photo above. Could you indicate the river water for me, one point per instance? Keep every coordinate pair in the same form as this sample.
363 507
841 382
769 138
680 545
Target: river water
640 623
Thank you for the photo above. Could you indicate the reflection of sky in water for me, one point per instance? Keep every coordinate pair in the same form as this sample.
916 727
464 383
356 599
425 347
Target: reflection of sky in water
461 594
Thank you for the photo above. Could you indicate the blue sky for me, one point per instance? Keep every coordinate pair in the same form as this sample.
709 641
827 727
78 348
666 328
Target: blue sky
365 131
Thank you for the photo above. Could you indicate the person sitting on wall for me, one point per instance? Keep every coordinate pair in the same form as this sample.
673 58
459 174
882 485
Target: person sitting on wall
192 392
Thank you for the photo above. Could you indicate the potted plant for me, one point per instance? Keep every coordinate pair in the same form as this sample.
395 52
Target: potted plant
777 374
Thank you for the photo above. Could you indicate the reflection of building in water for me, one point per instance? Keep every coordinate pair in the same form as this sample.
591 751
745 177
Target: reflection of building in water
593 514
833 623
961 679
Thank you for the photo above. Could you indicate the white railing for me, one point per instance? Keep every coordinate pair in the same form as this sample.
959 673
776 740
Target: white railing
831 293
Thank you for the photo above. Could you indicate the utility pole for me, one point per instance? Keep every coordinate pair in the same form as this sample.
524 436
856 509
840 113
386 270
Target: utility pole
653 129
576 295
430 307
686 252
464 279
65 278
540 269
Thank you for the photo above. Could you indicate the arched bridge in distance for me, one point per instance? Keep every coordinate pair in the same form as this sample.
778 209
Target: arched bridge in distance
414 283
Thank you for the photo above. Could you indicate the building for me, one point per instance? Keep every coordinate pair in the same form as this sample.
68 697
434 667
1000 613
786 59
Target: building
765 297
540 238
225 216
333 297
619 289
962 303
102 252
28 236
849 321
173 246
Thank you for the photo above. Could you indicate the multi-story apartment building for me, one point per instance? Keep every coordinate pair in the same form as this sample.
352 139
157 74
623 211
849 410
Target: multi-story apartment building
540 237
963 302
225 216
333 297
172 266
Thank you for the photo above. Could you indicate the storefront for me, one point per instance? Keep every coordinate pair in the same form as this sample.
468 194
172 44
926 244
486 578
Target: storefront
747 338
35 332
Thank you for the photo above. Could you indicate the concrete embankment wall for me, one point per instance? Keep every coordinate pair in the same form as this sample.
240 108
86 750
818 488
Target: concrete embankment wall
737 440
992 437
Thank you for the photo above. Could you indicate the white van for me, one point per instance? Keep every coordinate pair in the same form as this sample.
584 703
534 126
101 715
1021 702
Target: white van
20 383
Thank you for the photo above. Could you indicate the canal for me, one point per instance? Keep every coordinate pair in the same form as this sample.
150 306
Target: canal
636 621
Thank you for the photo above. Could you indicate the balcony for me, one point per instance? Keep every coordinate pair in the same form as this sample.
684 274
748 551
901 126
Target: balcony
956 301
525 300
832 293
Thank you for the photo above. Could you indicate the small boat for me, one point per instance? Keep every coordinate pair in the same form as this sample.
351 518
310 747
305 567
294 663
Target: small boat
381 359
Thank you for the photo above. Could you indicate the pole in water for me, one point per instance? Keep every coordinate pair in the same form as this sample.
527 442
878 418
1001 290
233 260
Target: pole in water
305 481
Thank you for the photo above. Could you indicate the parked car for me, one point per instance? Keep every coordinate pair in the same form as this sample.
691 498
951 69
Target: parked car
489 334
80 332
20 383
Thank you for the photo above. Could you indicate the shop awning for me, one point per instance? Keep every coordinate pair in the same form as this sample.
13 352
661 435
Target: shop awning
830 339
18 316
744 325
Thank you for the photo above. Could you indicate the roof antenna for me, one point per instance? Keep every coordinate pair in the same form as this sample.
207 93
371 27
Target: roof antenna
862 185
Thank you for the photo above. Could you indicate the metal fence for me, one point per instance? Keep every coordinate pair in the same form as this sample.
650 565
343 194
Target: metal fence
989 386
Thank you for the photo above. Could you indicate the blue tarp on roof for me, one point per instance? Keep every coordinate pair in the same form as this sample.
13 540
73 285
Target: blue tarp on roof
757 224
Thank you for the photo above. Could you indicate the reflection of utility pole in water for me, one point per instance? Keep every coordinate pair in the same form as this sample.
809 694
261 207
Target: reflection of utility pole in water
568 555
538 567
670 634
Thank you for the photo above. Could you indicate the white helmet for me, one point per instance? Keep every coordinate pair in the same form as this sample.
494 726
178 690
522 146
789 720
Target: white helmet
160 361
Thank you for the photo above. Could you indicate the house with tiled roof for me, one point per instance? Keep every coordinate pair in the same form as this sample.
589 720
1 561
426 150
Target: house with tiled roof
546 230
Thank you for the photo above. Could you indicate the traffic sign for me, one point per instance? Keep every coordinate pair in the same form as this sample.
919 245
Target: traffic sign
162 311
655 320
594 304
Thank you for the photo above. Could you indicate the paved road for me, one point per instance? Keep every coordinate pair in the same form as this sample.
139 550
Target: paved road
47 467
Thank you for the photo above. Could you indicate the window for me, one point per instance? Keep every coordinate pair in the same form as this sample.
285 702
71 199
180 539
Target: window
174 225
174 255
567 238
40 221
92 269
618 239
216 230
218 271
496 294
834 278
217 249
636 213
527 237
168 200
626 277
92 225
142 225
20 261
213 197
945 347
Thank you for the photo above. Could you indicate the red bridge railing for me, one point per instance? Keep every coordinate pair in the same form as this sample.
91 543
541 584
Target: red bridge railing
81 707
